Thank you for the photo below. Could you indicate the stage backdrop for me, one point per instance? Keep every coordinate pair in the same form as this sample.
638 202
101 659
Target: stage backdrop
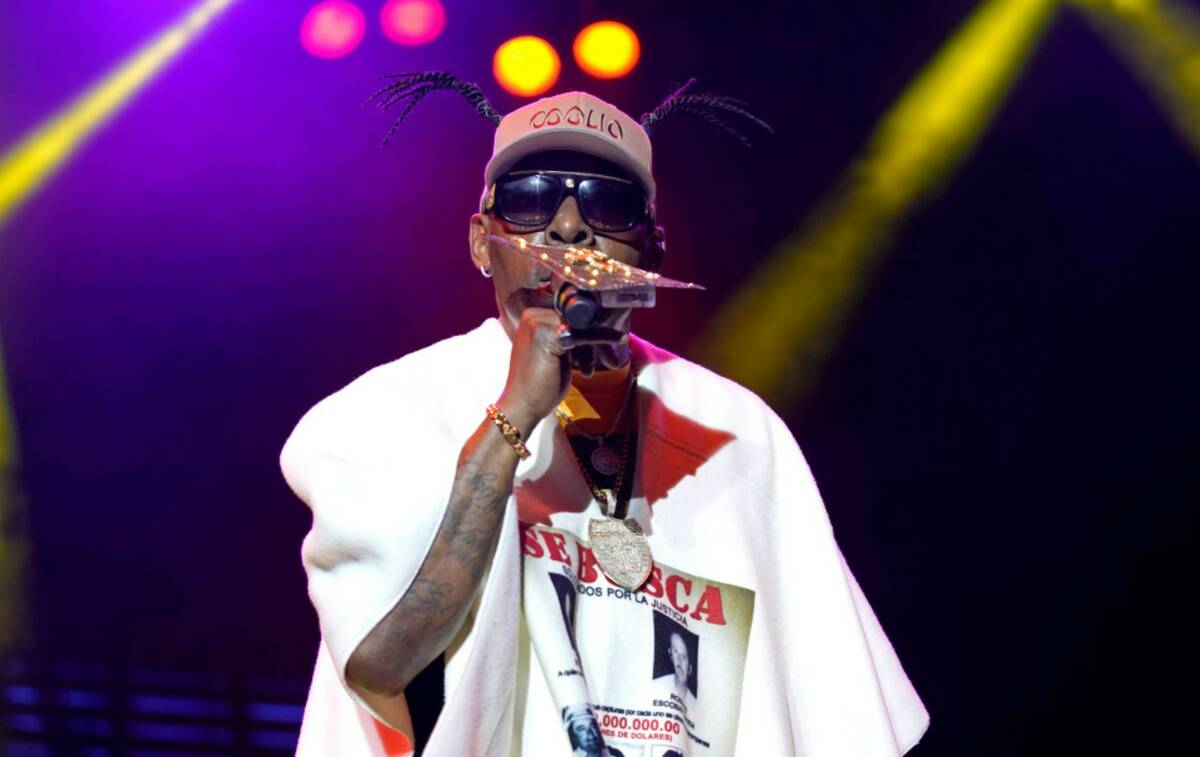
1002 421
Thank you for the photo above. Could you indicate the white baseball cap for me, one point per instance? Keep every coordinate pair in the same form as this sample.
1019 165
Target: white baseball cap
575 121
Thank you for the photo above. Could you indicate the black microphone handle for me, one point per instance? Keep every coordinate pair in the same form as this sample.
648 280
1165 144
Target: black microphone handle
581 310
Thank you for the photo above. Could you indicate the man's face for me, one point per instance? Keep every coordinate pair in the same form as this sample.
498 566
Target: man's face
521 282
681 660
587 734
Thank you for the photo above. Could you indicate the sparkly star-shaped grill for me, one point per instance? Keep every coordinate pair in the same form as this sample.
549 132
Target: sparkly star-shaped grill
591 270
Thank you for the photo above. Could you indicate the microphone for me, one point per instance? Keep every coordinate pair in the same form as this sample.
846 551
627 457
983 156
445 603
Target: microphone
582 309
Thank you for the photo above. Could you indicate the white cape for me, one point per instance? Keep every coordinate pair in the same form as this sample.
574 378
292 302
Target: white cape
375 463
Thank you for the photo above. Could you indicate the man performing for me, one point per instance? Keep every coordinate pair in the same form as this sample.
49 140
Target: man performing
457 490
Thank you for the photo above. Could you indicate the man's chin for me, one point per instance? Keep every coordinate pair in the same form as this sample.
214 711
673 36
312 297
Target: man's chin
532 297
519 300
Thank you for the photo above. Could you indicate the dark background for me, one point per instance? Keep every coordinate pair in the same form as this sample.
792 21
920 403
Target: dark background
1004 437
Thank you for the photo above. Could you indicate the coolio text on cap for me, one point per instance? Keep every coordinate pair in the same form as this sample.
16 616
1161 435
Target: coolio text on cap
592 118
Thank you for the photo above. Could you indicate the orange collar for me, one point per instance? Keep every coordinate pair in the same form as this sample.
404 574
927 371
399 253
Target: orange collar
597 398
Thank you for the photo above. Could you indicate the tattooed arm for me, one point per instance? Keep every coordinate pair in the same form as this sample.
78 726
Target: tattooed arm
422 624
425 620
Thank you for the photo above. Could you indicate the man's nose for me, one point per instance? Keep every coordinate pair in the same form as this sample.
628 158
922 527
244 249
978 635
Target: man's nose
568 226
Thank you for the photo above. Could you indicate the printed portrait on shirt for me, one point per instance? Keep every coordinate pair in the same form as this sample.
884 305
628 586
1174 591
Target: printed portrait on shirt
676 658
583 731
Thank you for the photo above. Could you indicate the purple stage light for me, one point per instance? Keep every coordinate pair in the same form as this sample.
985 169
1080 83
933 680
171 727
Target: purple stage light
332 28
412 22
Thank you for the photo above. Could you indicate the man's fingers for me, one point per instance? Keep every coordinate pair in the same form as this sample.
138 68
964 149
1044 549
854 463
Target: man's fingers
569 339
566 339
562 340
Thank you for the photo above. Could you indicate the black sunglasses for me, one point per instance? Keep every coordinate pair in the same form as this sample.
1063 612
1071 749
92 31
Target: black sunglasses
531 199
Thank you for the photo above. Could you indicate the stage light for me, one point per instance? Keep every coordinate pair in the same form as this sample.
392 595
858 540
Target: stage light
332 28
526 66
14 544
607 49
813 282
1160 41
24 168
412 22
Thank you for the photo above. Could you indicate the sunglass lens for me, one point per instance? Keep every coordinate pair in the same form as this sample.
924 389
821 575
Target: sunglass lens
529 200
611 205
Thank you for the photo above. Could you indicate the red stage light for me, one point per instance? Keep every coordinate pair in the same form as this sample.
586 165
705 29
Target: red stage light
412 22
332 28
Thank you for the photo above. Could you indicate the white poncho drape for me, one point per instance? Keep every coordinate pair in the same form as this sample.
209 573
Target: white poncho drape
375 462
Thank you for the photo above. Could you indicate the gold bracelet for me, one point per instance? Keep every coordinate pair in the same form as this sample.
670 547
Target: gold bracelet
508 430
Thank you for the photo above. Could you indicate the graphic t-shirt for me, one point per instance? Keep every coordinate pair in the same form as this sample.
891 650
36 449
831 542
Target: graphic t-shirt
624 668
646 672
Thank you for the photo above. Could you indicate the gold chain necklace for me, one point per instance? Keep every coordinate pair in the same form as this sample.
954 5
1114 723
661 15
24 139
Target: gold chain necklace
619 544
605 459
613 507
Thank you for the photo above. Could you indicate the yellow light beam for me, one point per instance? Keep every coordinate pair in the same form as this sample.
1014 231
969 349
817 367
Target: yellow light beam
775 334
1161 42
23 169
14 549
36 157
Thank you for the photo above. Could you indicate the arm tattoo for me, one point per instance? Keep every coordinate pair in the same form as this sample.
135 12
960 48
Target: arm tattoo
426 618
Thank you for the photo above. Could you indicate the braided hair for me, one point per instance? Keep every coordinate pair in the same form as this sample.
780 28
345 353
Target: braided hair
709 108
410 88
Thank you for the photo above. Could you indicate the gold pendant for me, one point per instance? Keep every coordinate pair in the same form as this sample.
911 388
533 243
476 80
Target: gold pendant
622 551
